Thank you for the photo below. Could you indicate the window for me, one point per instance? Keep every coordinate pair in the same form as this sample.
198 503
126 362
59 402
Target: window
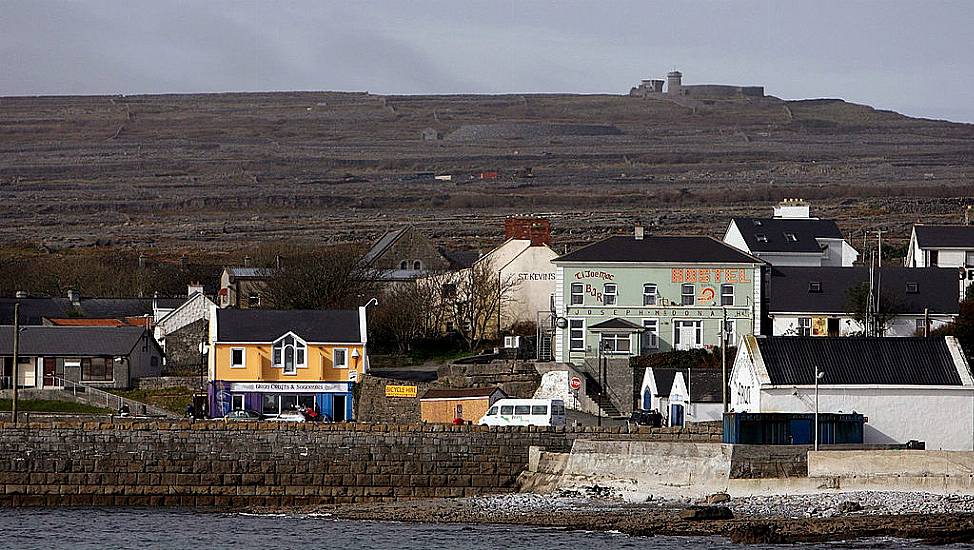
687 334
921 327
417 265
404 265
290 353
492 411
649 294
730 332
616 343
650 334
236 402
541 410
761 237
97 369
576 335
934 258
969 259
758 223
609 294
577 297
791 238
270 403
557 409
339 358
507 409
804 326
686 295
815 286
253 300
237 358
522 409
726 295
912 288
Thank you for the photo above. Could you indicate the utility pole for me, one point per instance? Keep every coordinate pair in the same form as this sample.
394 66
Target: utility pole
879 236
818 376
601 383
13 409
723 357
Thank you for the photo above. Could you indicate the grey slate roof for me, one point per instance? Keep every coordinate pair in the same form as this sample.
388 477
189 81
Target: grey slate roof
616 324
774 229
73 341
34 310
382 245
789 291
459 259
945 236
791 360
267 325
460 393
659 249
704 383
251 272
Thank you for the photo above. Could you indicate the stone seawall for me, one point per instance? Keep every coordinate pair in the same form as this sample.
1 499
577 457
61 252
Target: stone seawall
184 463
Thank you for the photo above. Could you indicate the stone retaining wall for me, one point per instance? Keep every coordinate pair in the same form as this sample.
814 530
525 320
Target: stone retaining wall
212 463
163 382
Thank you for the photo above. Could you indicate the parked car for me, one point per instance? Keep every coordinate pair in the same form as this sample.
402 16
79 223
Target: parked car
646 418
243 414
290 416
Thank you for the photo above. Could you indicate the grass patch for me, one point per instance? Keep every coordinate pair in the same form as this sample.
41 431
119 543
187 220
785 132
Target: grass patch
49 406
171 399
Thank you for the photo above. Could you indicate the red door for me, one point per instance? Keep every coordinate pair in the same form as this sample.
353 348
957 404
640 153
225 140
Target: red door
50 366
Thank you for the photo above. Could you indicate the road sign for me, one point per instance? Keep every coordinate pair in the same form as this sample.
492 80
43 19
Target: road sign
575 383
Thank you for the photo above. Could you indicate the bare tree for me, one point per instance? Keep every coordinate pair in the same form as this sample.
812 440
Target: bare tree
331 278
480 294
408 312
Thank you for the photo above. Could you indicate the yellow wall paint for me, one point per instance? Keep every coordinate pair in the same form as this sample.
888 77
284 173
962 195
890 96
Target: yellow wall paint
258 364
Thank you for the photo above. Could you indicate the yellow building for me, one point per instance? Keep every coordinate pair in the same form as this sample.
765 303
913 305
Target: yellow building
271 361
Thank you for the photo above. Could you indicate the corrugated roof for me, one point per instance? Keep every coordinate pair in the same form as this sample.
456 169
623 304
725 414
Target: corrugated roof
659 249
936 288
72 341
251 272
460 393
267 325
944 236
774 230
791 360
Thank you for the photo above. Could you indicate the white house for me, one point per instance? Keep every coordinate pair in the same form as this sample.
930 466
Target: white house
195 309
667 391
791 237
815 301
907 388
529 266
943 246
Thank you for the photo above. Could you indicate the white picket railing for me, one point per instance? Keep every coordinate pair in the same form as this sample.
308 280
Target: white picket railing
101 398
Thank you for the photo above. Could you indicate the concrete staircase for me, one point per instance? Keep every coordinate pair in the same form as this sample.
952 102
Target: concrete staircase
594 392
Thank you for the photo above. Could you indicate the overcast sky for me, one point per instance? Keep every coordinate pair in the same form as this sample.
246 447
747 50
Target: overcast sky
913 57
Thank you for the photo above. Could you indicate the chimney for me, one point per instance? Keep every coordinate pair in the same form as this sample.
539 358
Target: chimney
639 231
792 209
74 297
22 294
536 230
194 288
246 261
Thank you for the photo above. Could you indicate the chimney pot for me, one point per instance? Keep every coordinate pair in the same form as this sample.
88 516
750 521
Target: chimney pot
639 231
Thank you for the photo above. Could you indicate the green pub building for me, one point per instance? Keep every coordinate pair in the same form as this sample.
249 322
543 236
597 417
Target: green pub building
638 295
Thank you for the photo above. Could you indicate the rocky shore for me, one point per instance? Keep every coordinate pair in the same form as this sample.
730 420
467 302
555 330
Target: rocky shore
931 519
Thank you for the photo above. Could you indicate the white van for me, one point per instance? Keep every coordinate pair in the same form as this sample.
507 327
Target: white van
525 412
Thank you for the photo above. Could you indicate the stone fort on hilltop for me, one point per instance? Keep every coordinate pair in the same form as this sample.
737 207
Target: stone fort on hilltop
675 88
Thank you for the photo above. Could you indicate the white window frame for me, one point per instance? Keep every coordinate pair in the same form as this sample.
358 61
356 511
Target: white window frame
698 324
334 362
610 343
606 294
243 357
650 298
653 343
576 298
278 362
724 294
571 340
692 295
233 401
804 326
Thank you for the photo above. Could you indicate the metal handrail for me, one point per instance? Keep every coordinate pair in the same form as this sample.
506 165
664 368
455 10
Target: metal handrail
110 400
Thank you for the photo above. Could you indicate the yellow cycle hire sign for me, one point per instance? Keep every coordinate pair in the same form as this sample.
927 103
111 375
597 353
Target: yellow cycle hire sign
400 391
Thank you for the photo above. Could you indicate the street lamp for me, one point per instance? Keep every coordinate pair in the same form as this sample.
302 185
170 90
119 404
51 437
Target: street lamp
818 376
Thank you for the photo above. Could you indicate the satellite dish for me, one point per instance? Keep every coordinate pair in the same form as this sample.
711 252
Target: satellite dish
561 322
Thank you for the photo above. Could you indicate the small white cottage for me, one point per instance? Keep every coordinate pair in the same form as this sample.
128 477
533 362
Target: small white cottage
683 395
907 388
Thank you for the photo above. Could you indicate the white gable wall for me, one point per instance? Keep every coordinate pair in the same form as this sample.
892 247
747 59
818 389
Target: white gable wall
734 238
786 324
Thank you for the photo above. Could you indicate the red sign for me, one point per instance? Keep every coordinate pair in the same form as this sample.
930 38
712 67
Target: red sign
575 383
709 276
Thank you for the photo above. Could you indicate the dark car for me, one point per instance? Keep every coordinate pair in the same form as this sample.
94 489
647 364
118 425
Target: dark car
646 418
243 414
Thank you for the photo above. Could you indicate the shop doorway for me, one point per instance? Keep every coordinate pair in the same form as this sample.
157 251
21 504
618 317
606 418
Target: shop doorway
338 408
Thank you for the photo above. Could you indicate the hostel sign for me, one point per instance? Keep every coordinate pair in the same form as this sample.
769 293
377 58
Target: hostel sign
707 275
